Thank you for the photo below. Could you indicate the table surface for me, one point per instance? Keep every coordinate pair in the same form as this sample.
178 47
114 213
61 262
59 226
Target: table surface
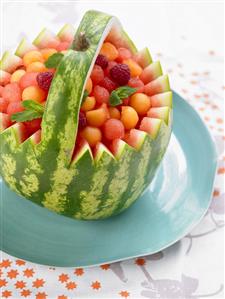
188 39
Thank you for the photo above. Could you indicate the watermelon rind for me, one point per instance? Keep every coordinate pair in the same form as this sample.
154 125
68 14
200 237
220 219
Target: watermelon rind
143 57
66 33
23 47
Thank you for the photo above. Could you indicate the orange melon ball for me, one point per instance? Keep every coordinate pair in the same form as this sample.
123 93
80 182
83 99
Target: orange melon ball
17 75
91 135
89 85
37 67
88 104
135 69
140 102
32 56
114 112
97 117
109 50
129 117
46 53
33 93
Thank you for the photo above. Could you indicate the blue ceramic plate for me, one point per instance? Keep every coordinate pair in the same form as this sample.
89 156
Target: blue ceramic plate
172 205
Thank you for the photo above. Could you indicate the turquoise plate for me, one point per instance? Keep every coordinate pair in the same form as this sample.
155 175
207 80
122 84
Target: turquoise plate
172 205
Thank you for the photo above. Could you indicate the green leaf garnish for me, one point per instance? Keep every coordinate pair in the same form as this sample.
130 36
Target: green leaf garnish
54 60
33 110
84 96
118 95
32 105
26 115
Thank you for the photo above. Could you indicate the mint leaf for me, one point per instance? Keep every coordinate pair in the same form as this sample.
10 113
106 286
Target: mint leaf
54 60
118 95
26 115
32 105
84 96
33 110
114 99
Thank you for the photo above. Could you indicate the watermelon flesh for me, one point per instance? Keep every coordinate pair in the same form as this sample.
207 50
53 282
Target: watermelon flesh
80 180
5 121
10 62
151 72
4 77
159 85
46 39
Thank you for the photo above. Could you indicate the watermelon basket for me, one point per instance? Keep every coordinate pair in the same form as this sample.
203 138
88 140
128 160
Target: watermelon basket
85 119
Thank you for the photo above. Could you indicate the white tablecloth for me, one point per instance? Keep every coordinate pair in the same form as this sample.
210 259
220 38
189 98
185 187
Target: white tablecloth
188 39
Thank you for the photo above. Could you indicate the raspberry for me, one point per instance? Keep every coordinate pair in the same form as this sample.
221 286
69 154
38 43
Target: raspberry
44 80
97 74
108 84
111 64
102 61
120 73
82 120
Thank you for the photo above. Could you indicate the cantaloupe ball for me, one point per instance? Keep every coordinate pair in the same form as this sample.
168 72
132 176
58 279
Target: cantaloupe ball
46 53
34 93
140 102
37 67
88 104
17 75
91 135
129 117
89 85
32 56
114 112
109 50
135 69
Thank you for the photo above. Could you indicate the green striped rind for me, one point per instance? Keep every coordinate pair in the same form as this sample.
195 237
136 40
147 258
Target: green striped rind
24 47
87 188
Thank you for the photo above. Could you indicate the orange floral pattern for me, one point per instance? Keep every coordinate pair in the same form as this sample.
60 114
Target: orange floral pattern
79 271
28 272
71 285
96 285
42 295
6 294
63 277
12 274
20 284
38 283
25 293
124 294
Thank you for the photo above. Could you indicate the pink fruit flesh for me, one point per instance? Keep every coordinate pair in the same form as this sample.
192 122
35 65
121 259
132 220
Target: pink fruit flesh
14 107
28 79
101 94
3 105
113 128
12 92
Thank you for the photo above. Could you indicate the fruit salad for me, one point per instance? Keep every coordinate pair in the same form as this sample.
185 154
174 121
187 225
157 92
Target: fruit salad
120 96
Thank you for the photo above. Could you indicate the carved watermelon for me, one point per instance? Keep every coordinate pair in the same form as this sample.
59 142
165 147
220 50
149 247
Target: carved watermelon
50 166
